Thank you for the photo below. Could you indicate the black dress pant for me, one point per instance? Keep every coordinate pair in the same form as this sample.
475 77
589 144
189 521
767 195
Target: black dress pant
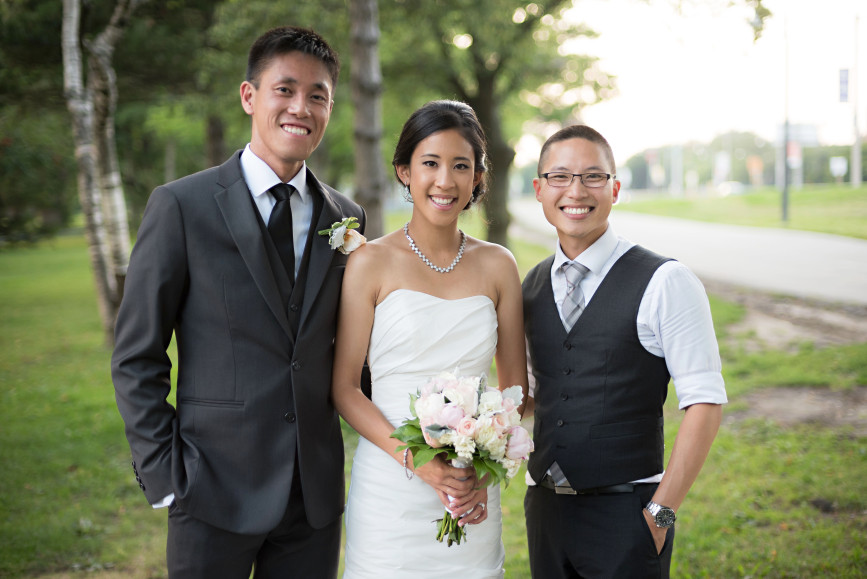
593 536
294 549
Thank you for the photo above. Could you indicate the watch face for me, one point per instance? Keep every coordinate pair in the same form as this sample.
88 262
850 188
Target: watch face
665 517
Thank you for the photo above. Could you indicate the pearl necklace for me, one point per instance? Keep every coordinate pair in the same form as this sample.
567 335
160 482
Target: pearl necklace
424 258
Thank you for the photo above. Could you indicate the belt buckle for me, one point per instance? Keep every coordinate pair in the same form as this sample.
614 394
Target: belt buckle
564 490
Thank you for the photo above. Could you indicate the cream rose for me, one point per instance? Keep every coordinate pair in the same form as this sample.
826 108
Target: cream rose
352 240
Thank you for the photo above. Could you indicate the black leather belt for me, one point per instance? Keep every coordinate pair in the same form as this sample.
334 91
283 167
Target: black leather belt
548 483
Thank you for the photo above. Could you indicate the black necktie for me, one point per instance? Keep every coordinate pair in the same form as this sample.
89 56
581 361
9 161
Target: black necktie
280 227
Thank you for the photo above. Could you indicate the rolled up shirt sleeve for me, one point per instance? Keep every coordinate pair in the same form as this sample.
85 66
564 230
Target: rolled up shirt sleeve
674 321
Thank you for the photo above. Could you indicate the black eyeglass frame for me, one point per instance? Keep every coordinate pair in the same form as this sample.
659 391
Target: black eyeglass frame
608 177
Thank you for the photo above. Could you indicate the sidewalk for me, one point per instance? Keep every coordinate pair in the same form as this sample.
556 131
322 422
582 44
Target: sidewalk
829 268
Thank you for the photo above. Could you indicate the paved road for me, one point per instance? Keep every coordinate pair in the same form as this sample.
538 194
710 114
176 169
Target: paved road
829 268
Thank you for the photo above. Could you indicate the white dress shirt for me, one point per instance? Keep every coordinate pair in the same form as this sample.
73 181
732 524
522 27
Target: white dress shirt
260 178
673 321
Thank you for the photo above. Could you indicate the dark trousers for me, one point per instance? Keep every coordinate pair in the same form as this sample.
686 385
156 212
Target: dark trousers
593 536
197 550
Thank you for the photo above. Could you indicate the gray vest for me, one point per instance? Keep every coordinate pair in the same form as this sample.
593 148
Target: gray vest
599 393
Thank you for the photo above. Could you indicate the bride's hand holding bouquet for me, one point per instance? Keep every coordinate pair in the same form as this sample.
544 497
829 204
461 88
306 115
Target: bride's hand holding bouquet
467 424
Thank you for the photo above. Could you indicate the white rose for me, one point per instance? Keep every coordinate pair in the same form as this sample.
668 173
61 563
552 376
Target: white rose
428 407
490 401
352 240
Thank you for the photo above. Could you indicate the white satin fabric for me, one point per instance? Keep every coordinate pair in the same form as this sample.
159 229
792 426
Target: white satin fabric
390 528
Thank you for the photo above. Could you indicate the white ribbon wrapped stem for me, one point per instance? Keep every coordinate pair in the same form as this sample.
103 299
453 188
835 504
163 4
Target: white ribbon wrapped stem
461 463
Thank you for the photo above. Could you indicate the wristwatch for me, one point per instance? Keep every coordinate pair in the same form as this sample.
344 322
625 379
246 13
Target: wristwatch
664 517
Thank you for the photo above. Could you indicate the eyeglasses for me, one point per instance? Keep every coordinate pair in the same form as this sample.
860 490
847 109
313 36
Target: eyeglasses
587 179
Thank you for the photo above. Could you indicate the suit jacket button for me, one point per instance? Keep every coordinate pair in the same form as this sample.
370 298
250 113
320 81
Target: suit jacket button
289 417
567 345
564 397
560 422
296 365
567 371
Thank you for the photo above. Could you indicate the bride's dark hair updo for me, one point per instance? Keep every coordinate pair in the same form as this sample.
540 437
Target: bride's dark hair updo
438 116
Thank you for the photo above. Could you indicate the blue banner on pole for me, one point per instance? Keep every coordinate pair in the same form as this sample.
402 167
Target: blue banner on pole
844 85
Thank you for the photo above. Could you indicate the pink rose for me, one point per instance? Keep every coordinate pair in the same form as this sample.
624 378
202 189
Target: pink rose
466 426
520 444
501 421
450 415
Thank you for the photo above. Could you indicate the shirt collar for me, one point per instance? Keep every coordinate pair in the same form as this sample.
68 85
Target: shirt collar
594 257
260 177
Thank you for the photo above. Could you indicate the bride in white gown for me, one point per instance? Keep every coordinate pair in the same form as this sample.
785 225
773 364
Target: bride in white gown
417 302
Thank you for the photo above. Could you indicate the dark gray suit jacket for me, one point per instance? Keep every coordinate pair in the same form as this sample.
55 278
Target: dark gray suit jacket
250 391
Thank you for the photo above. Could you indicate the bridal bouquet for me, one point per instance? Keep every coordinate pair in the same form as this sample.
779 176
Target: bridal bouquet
473 425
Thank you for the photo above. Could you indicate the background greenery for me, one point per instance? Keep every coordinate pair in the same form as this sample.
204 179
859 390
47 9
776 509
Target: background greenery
69 501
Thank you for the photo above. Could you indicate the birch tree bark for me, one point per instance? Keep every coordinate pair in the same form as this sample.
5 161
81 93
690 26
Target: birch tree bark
366 81
91 104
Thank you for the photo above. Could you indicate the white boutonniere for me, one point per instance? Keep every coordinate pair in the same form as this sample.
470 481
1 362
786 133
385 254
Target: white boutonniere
343 237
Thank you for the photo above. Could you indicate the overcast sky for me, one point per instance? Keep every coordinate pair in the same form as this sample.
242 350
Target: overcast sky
695 75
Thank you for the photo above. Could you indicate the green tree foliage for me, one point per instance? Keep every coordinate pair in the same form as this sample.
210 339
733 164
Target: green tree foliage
37 175
503 57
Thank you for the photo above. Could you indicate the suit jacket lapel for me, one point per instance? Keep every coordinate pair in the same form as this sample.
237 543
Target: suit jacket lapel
234 203
321 253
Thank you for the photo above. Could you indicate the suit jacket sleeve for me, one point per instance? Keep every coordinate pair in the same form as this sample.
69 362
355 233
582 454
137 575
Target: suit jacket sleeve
141 367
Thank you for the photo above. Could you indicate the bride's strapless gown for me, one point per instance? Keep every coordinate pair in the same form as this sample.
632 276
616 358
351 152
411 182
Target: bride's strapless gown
390 529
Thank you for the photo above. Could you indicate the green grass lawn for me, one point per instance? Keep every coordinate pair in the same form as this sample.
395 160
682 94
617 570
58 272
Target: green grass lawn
836 209
68 499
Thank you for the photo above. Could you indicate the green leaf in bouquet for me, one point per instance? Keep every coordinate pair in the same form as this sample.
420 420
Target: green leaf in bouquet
409 433
412 399
423 455
487 466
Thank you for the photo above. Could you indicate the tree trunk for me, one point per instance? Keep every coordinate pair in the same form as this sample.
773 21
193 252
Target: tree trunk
102 80
366 81
170 172
100 189
215 142
80 105
501 157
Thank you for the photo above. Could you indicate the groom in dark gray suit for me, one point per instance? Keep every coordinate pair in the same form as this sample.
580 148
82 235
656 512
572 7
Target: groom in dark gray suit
249 460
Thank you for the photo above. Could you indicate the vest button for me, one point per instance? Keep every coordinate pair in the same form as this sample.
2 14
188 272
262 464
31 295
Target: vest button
567 371
560 422
564 397
289 417
296 365
293 307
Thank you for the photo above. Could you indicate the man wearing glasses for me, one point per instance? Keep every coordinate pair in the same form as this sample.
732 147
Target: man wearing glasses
624 321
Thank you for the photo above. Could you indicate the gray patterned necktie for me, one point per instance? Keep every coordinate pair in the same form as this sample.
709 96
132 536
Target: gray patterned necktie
574 302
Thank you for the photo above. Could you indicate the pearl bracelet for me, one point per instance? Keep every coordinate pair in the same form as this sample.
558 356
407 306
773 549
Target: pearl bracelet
409 473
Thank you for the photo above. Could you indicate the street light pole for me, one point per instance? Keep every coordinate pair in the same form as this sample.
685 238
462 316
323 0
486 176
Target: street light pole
786 121
855 172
